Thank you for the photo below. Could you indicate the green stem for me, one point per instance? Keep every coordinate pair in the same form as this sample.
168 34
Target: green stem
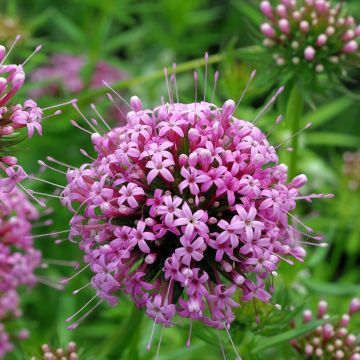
294 111
186 66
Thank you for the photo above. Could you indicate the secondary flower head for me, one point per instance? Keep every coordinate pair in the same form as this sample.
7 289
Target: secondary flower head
70 353
310 36
332 340
18 260
186 209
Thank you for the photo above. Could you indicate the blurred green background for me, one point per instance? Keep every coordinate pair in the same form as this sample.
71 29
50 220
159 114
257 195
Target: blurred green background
139 38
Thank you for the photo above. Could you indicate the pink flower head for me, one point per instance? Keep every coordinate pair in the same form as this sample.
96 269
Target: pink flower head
200 211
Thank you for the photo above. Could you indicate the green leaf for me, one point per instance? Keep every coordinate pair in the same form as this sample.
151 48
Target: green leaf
266 343
328 289
332 139
327 112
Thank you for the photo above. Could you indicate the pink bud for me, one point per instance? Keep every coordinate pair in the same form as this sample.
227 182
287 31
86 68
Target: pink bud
345 319
348 35
268 30
321 6
357 31
304 26
298 181
322 308
355 357
193 159
150 258
193 135
135 103
330 31
266 8
183 159
228 108
309 349
281 10
9 160
296 15
350 47
350 340
339 354
321 40
284 26
309 53
238 279
7 130
307 316
354 306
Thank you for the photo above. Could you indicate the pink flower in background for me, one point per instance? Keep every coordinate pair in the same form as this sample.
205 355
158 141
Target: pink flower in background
18 260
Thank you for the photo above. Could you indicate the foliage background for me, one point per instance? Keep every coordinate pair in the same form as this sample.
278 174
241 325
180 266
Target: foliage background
140 37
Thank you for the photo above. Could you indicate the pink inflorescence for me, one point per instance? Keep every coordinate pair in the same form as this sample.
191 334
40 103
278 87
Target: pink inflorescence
14 116
332 340
64 73
18 260
186 209
69 353
310 32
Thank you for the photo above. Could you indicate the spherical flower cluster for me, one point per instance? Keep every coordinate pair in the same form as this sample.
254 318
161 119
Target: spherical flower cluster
187 210
310 33
329 341
13 117
18 258
351 169
64 73
59 354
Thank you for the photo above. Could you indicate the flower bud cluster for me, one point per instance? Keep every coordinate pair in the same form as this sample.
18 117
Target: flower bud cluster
312 33
330 340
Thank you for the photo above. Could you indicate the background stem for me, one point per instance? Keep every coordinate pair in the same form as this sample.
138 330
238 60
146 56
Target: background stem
294 112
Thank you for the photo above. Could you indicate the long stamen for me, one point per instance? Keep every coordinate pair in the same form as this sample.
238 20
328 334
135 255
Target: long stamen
73 264
293 135
58 105
49 158
66 280
45 194
232 343
196 86
17 38
109 96
49 234
160 340
221 347
83 152
81 309
76 324
167 83
116 93
75 292
43 205
253 74
188 342
45 181
277 122
74 104
37 49
216 78
43 164
75 124
49 283
309 229
43 223
206 73
56 113
175 83
148 346
268 105
99 115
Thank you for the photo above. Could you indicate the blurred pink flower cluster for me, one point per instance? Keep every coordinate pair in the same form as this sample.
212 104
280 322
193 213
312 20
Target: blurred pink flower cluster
330 340
18 260
70 353
64 74
310 32
187 210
